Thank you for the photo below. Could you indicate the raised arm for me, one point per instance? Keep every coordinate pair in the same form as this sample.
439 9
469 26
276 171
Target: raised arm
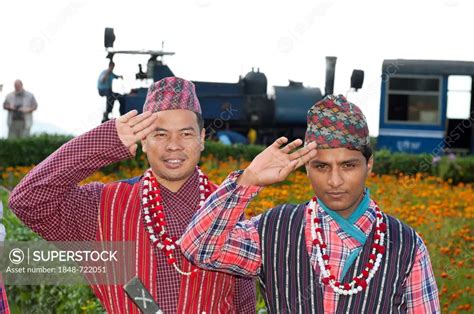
216 239
49 199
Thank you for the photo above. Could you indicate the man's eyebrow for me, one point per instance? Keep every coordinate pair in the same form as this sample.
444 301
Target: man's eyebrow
316 161
183 129
348 161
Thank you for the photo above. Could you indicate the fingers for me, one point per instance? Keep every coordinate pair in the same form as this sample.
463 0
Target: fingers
303 151
127 116
305 159
144 132
139 118
288 148
133 149
280 141
143 123
296 163
311 145
285 171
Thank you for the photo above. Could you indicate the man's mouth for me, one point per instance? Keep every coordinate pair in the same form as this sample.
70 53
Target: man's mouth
336 194
173 163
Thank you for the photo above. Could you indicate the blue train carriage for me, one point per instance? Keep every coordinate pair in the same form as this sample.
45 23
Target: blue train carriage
427 106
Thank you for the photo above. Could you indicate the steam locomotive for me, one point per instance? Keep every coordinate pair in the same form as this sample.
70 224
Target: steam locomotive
241 106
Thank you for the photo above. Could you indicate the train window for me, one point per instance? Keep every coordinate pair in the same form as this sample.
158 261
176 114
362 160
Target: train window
414 84
459 97
413 100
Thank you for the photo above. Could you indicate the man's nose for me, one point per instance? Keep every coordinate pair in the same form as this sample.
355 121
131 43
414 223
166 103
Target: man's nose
174 143
335 178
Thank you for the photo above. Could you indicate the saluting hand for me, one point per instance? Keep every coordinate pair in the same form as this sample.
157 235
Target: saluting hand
131 128
275 163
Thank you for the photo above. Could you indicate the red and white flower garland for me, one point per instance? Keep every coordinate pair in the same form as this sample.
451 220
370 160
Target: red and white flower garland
155 217
361 281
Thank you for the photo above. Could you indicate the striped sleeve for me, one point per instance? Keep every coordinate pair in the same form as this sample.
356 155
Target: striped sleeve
421 292
216 239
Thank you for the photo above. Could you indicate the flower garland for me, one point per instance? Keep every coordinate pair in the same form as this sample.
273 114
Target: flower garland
155 219
361 281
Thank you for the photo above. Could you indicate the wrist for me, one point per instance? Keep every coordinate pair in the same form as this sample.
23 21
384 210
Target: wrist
247 178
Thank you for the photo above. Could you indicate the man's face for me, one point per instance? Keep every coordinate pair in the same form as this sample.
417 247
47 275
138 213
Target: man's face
18 86
338 178
173 149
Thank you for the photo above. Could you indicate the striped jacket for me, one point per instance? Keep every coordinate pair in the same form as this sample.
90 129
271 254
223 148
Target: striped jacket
291 285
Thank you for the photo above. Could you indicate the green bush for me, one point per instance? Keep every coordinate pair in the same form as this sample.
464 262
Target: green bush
238 151
456 169
30 150
466 165
395 163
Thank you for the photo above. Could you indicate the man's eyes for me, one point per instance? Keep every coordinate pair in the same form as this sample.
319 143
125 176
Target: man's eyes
344 166
183 134
348 165
320 166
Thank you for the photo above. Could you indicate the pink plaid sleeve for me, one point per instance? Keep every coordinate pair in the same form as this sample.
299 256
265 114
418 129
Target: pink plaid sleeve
421 292
217 240
49 199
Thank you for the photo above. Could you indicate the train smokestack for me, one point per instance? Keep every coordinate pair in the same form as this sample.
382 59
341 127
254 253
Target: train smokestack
330 71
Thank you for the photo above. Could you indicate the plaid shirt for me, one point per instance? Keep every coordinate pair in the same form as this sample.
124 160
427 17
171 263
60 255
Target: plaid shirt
217 240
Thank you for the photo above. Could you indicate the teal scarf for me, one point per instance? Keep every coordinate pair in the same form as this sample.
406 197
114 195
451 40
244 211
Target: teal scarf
347 225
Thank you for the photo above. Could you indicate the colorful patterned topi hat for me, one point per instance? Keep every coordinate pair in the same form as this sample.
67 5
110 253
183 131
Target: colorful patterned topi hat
334 122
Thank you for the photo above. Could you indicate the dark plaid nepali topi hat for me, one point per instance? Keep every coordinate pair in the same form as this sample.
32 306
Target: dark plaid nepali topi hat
334 122
172 93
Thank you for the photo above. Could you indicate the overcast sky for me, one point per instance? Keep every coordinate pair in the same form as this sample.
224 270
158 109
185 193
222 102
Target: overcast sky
56 47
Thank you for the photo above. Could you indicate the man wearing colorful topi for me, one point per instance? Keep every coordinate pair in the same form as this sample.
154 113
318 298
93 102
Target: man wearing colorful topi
337 253
152 210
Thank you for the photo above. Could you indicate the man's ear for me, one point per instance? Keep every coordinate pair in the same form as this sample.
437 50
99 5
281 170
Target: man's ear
203 138
143 141
370 165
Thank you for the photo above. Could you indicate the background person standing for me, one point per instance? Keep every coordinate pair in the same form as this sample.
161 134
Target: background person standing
20 105
104 86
